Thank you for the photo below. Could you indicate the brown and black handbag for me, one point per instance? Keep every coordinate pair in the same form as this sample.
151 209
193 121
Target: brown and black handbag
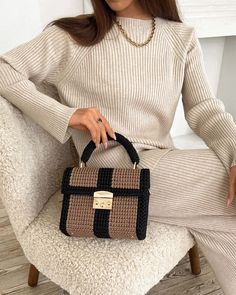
105 202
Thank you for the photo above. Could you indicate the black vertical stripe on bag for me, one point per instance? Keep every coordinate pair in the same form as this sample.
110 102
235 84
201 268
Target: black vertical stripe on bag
101 216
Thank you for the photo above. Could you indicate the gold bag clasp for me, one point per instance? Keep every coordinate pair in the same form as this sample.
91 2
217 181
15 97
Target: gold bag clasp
102 200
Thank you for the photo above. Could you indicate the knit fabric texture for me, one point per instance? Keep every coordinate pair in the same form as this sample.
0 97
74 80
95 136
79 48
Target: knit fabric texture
136 88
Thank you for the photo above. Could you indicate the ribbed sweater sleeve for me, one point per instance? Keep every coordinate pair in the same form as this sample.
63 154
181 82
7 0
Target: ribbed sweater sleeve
44 57
204 112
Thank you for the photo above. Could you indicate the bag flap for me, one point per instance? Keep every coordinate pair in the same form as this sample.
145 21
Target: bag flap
86 180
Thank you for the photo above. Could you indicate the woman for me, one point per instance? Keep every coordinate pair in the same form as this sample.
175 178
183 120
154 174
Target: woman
123 69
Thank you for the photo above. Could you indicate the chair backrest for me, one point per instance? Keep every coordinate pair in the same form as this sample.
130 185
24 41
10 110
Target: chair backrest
31 165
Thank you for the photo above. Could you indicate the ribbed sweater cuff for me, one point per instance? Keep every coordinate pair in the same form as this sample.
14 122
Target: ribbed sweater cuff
61 129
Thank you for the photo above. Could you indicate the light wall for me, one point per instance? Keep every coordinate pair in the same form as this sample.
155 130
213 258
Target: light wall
19 22
212 18
50 9
227 85
22 20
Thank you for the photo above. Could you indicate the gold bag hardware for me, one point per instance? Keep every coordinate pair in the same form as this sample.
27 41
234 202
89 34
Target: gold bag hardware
102 200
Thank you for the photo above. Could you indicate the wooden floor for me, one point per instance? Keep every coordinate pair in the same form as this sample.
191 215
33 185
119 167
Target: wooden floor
14 268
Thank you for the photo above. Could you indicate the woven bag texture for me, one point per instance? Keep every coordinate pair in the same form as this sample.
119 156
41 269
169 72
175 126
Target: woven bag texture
128 217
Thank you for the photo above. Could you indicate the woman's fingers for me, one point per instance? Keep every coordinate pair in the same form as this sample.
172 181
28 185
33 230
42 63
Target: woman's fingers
98 139
108 127
104 127
104 134
87 119
94 131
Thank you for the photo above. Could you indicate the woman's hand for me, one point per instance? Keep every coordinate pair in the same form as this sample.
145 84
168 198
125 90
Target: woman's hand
85 119
232 185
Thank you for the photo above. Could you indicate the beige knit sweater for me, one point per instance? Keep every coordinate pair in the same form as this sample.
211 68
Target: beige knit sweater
136 89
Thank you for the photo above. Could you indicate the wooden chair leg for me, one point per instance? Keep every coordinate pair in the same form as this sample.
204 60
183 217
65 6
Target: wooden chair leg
33 276
194 260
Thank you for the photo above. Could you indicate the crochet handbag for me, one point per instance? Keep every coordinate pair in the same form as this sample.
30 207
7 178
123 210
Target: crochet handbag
105 202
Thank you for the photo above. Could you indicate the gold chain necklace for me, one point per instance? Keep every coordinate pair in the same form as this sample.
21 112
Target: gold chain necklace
129 39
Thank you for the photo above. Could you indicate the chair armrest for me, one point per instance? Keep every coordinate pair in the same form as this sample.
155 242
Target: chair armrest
32 163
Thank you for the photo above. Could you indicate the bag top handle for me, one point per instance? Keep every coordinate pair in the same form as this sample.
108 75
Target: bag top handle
90 147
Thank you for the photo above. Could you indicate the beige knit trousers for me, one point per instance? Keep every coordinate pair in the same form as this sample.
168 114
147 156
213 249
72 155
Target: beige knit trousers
189 188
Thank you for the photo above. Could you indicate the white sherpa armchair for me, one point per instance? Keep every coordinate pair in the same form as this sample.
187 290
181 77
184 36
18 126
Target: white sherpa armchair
31 167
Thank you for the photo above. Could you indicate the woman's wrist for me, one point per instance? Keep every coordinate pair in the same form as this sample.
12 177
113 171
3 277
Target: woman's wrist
72 120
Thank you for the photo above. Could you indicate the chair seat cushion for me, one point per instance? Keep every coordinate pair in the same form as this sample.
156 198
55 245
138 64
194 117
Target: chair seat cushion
102 266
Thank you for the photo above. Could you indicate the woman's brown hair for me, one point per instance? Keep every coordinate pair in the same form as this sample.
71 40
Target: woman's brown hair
89 29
